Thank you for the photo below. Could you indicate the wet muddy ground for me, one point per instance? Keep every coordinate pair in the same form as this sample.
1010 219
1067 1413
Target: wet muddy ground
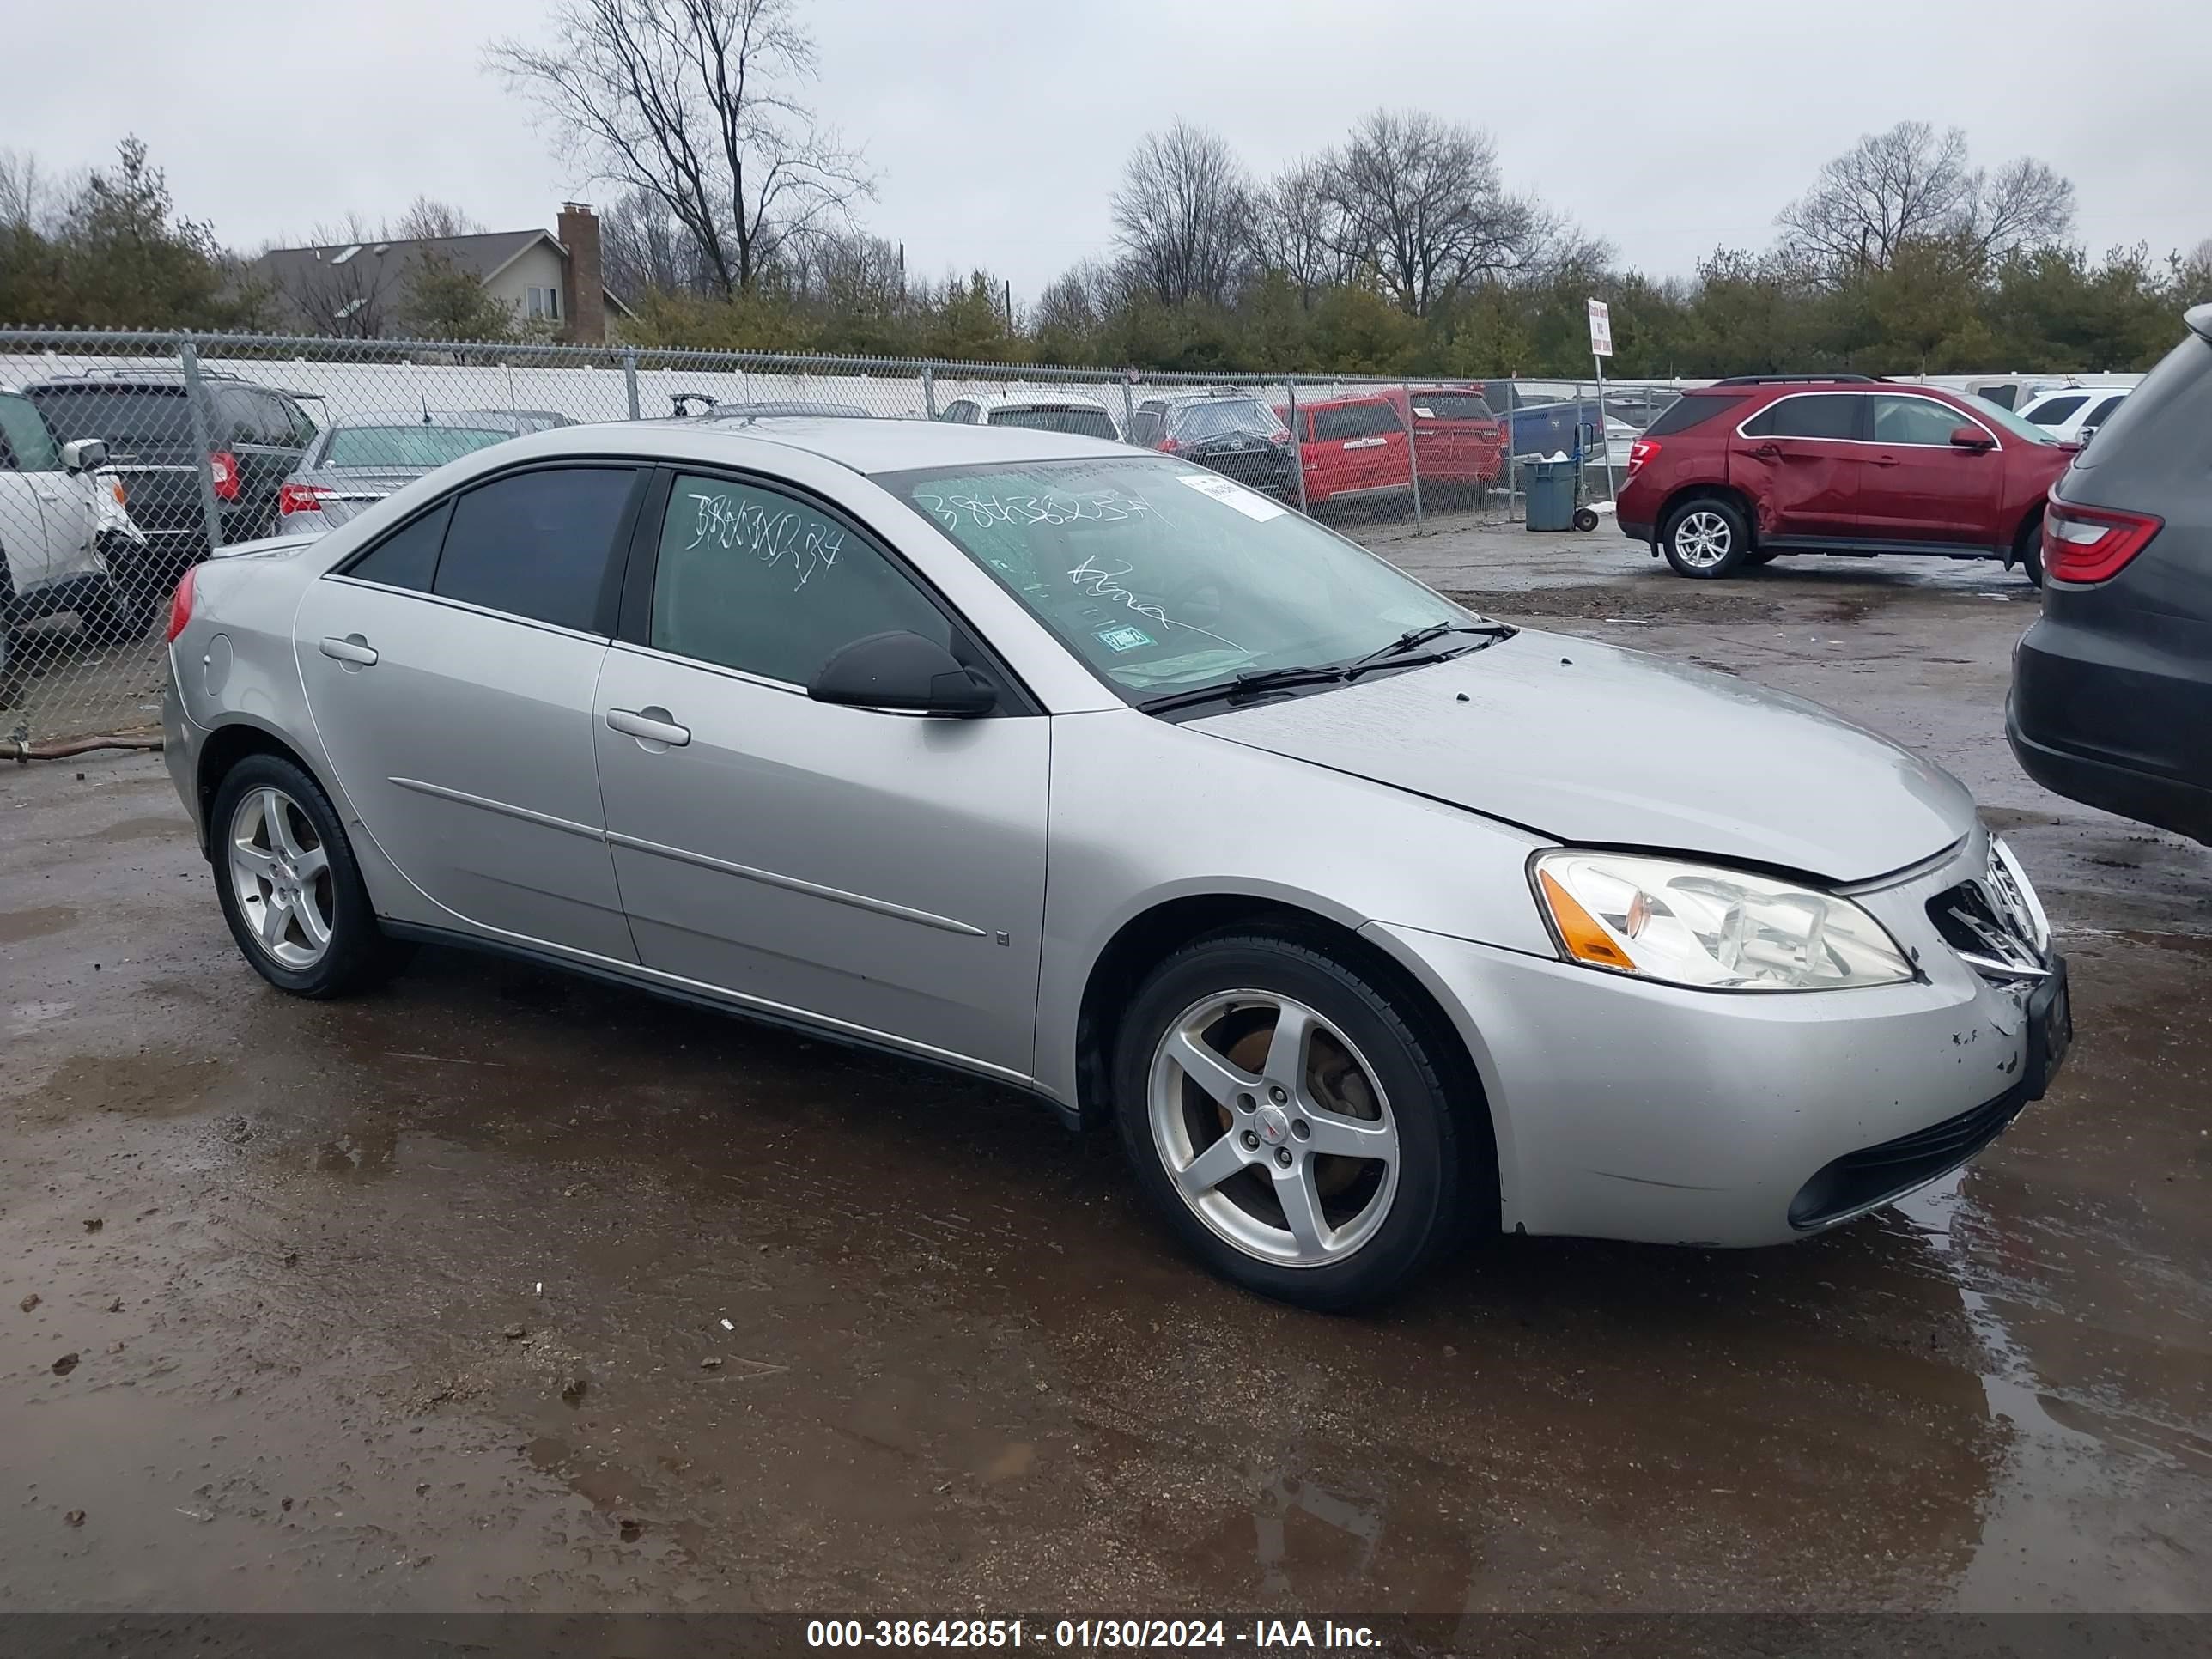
498 1290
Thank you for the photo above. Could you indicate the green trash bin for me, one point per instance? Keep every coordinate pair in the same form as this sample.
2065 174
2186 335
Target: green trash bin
1552 495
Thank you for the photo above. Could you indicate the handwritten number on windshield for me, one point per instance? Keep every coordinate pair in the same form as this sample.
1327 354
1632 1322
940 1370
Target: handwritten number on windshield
734 524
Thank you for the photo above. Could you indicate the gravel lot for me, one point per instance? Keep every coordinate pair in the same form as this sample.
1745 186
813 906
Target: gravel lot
502 1291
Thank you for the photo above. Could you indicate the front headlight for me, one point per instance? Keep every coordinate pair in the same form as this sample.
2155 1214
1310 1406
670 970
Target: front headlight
1710 927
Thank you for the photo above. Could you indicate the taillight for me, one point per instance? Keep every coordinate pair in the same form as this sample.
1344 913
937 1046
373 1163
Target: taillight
2092 543
223 467
115 489
1640 452
1281 436
1168 446
301 498
181 603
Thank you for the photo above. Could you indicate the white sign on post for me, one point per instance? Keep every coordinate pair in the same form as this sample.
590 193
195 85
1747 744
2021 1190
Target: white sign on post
1601 316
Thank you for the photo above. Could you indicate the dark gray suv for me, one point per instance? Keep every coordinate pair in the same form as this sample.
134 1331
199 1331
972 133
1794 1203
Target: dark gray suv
2111 689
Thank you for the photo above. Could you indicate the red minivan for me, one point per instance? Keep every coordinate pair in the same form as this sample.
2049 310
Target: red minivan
1353 450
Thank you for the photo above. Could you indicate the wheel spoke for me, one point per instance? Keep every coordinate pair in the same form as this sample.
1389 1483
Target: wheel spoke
1287 1050
1211 1167
275 914
1339 1136
254 860
1221 1080
1301 1202
277 812
312 924
310 864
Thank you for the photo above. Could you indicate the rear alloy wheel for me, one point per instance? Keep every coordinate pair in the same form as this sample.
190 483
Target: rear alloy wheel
1705 537
288 884
1288 1122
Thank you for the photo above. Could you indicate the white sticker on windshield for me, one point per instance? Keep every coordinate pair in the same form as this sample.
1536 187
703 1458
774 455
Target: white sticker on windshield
1251 504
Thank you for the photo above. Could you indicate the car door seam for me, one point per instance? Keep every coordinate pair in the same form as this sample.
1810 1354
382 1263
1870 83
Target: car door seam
505 809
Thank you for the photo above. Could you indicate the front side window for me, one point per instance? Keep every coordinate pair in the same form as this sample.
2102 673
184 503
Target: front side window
30 447
751 579
2102 412
1825 414
2012 425
2051 410
405 447
1146 426
538 544
1916 421
1161 578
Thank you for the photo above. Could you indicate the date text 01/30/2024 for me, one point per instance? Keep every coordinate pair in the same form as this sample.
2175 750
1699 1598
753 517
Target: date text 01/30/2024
1261 1635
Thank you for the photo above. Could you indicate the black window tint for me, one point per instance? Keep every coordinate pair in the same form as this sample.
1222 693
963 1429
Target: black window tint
2002 396
127 416
240 417
751 579
407 557
1830 415
2103 412
2051 410
1355 421
301 424
536 543
1691 410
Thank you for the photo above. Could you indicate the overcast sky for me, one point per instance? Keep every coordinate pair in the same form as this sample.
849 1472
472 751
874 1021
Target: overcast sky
997 127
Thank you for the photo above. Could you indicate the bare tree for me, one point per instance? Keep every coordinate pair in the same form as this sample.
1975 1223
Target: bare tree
1183 214
1298 227
339 292
1423 201
1913 184
32 199
692 103
643 250
428 220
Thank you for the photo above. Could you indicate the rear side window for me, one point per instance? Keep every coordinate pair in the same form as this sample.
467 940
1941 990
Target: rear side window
407 557
1145 427
1355 421
537 544
2051 410
24 440
1820 414
1692 410
2103 412
123 415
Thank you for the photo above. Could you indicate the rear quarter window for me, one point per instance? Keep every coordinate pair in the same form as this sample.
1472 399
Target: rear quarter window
1691 411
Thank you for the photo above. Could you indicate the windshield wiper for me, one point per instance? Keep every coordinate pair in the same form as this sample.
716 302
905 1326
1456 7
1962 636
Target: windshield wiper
1246 686
1416 638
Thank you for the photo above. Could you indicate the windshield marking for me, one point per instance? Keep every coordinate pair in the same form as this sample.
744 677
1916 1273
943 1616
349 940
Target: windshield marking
1102 507
1105 585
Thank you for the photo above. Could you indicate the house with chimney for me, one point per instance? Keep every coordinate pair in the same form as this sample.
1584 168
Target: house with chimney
549 281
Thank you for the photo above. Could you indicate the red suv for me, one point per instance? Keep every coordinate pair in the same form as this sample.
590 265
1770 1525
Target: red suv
1742 470
1353 450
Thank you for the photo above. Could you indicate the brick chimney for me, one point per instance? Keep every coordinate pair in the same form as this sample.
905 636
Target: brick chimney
583 290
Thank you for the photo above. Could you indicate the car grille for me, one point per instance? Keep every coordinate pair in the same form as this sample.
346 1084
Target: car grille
1994 923
1873 1175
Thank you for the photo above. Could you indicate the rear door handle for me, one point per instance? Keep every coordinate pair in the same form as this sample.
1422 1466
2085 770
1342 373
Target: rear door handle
353 649
652 725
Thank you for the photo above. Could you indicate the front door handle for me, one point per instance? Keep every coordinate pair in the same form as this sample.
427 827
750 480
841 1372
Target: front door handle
353 648
1768 451
649 725
1885 460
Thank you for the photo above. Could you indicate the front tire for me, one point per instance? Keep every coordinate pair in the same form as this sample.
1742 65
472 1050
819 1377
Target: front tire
1291 1121
1705 537
288 883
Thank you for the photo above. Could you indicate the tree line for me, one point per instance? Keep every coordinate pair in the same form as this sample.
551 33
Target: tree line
1402 249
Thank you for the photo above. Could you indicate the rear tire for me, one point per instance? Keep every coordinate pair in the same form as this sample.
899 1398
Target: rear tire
1239 1174
289 886
1706 538
2029 551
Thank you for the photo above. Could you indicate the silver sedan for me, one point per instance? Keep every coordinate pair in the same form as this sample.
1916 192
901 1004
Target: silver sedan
1365 918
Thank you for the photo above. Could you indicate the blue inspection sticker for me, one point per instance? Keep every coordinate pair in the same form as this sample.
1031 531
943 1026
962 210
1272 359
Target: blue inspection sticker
1123 639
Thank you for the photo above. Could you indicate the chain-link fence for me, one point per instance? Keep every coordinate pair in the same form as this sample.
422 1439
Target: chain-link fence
126 458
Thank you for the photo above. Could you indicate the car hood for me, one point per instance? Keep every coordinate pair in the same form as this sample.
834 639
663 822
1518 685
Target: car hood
1604 747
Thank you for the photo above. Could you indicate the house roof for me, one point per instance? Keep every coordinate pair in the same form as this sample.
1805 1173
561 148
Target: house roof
385 266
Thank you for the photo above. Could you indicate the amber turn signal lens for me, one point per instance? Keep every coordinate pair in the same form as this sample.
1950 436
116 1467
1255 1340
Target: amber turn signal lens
1586 941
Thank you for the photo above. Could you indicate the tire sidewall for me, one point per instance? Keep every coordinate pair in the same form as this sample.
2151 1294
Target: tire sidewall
356 939
2031 553
1425 1209
1739 539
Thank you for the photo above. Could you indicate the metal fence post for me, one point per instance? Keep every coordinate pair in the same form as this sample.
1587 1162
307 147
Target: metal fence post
1129 417
1297 443
929 391
1413 446
202 437
629 381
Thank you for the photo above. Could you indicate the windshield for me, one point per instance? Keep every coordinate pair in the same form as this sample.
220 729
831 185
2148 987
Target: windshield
2005 421
1161 578
406 446
122 415
1084 422
1234 416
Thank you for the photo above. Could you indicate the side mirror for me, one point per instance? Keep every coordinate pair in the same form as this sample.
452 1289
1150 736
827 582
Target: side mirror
84 455
902 670
1972 437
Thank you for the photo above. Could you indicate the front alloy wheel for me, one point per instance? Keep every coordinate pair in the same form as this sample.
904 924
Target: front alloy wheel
1274 1128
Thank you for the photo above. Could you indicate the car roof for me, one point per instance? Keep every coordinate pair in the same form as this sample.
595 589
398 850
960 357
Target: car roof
864 447
165 379
1030 399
